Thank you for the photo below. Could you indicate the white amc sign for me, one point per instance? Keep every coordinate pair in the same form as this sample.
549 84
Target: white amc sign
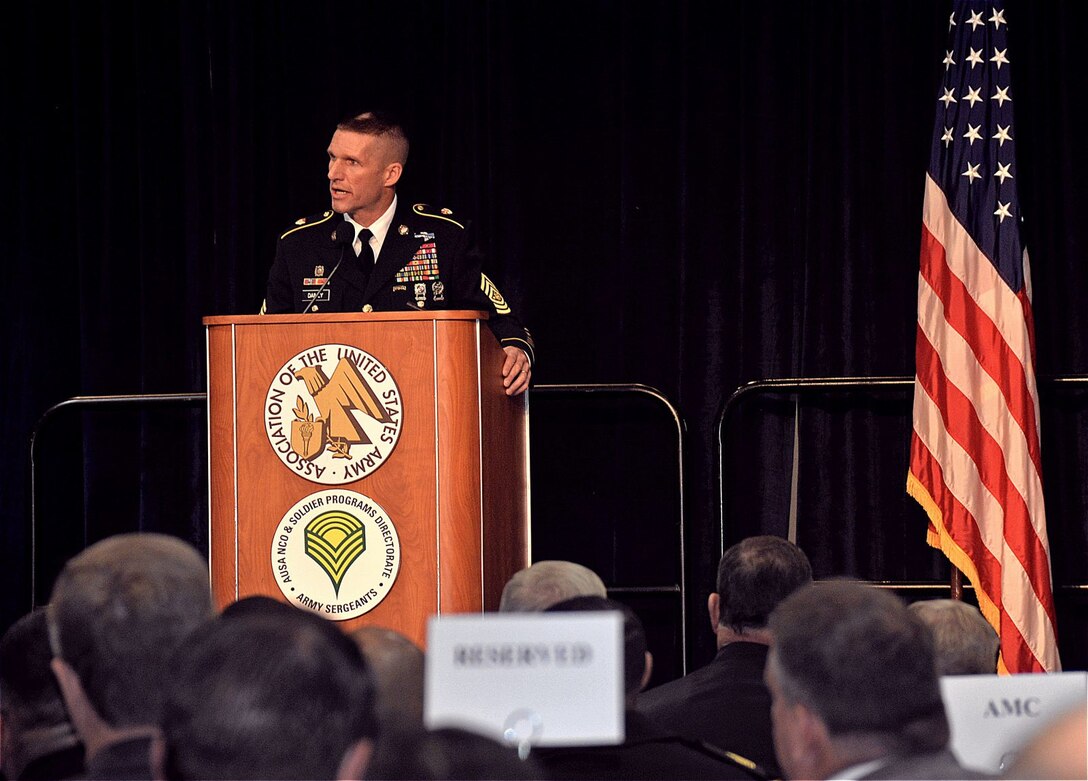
993 716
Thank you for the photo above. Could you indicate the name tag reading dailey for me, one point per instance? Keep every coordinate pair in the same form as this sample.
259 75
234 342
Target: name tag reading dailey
545 679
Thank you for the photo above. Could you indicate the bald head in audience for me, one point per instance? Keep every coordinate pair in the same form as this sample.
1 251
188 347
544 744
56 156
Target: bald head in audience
964 642
547 583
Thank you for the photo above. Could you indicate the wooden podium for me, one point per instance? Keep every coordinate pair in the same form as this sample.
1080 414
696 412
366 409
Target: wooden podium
368 466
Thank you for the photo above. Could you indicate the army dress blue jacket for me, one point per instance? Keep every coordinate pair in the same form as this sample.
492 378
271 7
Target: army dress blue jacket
425 263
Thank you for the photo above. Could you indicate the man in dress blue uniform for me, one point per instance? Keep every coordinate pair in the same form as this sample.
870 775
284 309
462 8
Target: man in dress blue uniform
371 252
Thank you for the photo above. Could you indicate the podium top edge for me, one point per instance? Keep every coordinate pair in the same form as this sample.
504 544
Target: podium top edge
344 317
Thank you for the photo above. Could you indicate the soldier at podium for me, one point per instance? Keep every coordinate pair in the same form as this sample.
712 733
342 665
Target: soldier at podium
372 252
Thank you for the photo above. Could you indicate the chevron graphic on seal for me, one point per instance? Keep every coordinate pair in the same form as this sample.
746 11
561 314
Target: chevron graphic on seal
335 540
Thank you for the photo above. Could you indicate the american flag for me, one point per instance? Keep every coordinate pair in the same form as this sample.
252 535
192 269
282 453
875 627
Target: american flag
975 464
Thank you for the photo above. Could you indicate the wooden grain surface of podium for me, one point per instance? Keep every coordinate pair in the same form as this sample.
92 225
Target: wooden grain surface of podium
454 485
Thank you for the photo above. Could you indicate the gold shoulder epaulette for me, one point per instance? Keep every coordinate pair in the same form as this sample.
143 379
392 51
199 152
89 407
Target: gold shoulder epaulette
308 222
424 210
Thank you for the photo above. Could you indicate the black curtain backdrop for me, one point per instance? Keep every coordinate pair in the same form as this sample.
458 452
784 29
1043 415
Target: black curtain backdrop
689 195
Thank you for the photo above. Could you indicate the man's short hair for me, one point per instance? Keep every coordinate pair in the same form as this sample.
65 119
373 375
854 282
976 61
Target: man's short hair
634 635
964 641
545 583
754 576
117 611
264 696
382 124
444 754
857 657
396 664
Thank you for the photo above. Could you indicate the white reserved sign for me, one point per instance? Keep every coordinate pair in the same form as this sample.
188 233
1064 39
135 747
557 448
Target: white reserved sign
992 716
543 679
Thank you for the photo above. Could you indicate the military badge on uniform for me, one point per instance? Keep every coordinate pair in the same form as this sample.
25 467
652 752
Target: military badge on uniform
423 210
423 267
319 271
421 294
492 292
300 221
425 235
438 291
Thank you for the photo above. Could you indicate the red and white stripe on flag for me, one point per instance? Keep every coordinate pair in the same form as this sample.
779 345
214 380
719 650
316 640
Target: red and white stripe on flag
975 458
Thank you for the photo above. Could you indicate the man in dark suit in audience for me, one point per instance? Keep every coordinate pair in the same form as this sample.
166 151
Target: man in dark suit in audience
854 688
267 694
726 702
648 750
37 740
117 611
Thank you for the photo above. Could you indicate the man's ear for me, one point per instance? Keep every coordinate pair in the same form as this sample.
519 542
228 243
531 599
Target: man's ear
713 607
648 671
71 690
92 729
392 174
813 737
158 758
354 763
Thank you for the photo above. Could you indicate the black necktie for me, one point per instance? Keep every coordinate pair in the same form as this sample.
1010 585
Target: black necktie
366 254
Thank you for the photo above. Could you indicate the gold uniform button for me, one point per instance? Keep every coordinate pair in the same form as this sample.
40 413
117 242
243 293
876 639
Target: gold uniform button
314 308
368 308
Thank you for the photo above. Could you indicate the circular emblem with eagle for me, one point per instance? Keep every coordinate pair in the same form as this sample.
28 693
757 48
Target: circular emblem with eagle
333 414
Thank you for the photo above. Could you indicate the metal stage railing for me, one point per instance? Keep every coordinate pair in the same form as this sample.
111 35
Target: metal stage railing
674 412
817 385
89 403
77 403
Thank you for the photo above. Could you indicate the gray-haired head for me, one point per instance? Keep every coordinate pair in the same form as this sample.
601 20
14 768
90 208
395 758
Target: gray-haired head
546 583
117 612
964 642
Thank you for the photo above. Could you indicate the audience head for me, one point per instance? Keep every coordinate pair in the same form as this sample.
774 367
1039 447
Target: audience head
964 642
852 679
396 664
35 721
267 696
753 577
117 611
446 754
257 604
637 662
545 583
1059 750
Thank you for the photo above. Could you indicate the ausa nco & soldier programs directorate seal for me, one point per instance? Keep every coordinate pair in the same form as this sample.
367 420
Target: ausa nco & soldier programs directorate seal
337 553
333 414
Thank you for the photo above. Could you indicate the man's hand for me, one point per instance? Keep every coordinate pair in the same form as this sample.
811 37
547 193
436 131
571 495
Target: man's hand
515 371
